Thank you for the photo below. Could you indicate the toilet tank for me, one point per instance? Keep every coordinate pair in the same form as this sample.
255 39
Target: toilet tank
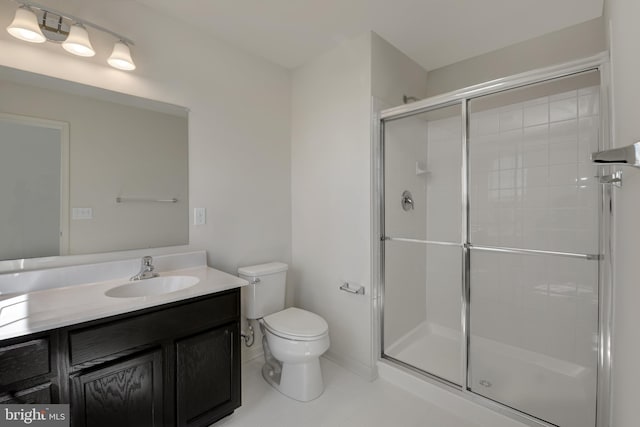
266 290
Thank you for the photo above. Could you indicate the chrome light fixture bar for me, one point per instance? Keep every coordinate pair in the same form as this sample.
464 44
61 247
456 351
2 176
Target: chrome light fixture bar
37 23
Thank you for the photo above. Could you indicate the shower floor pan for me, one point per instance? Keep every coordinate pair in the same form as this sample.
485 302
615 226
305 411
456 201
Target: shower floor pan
548 388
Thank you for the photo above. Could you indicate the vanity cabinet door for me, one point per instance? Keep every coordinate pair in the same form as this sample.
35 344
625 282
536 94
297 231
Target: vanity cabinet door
207 376
124 394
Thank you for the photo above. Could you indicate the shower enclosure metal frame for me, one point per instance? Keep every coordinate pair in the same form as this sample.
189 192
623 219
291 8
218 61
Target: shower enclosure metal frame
461 97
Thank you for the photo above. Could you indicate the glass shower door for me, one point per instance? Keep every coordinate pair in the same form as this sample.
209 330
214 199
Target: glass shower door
534 240
423 247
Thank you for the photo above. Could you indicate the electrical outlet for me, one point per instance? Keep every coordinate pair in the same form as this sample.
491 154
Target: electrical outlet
199 216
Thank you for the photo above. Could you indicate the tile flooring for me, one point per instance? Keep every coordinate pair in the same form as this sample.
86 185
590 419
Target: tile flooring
348 401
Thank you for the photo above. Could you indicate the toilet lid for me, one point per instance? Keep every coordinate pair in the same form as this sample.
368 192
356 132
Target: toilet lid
296 324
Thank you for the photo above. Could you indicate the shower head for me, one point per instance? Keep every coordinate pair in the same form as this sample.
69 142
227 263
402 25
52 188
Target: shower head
407 99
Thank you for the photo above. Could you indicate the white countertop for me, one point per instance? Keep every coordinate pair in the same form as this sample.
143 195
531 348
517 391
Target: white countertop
36 311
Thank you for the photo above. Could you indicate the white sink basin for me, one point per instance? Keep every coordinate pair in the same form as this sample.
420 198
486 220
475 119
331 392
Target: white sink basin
155 286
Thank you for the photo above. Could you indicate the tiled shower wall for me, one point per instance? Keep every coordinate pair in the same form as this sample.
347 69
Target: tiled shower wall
532 186
531 182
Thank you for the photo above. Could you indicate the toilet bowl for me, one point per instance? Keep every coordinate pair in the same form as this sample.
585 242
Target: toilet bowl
293 339
296 339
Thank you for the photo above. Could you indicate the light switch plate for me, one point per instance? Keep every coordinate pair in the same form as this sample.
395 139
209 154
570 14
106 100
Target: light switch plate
199 216
82 213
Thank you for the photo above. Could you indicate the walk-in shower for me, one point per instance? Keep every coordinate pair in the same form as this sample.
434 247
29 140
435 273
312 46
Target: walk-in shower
494 282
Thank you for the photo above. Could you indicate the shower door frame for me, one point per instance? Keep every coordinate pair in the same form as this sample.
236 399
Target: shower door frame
462 97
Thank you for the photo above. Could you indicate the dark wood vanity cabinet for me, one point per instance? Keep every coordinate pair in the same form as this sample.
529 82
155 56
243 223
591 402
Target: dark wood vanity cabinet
177 364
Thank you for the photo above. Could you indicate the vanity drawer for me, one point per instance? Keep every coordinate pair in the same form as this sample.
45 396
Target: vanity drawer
105 340
24 360
40 394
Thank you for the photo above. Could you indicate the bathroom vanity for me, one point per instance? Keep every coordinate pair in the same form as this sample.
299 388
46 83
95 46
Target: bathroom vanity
173 361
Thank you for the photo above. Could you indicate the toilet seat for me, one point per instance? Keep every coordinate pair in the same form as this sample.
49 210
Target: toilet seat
296 324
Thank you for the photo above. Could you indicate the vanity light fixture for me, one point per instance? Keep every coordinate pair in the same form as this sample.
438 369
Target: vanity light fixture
36 23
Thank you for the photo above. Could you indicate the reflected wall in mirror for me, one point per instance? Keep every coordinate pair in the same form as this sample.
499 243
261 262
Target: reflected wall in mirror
34 182
69 151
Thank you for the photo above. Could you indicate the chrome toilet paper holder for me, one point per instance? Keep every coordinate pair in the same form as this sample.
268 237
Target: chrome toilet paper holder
347 288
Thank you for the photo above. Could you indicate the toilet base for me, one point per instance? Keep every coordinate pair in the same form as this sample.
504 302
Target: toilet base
299 381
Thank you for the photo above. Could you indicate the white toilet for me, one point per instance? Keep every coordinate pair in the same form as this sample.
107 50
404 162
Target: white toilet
293 340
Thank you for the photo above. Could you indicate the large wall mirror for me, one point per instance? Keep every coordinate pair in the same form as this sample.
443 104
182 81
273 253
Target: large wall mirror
85 170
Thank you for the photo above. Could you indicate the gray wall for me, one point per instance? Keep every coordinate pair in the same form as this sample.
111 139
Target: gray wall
29 190
622 19
332 99
571 43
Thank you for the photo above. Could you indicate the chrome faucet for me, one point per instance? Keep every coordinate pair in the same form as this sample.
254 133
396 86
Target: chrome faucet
146 269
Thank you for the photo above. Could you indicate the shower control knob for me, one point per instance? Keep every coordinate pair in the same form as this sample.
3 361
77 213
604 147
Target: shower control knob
407 201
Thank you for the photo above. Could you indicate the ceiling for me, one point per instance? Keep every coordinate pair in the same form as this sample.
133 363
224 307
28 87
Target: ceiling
434 33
